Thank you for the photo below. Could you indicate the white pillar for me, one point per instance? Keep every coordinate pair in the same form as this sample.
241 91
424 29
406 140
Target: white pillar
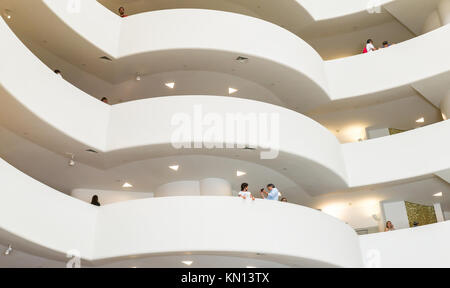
205 187
445 107
438 211
444 11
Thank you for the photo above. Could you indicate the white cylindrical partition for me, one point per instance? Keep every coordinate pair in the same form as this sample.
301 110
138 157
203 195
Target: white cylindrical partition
444 11
205 187
432 22
180 188
445 107
215 187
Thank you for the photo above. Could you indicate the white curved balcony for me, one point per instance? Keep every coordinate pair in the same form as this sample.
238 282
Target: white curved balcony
170 226
277 56
122 131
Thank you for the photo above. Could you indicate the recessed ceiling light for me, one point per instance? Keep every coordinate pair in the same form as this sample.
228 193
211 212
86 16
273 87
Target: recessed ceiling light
250 267
7 14
127 185
240 173
188 263
438 194
174 167
242 60
170 85
8 250
232 90
420 120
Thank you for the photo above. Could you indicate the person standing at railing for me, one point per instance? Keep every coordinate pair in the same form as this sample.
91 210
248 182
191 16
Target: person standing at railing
122 12
273 193
389 226
245 194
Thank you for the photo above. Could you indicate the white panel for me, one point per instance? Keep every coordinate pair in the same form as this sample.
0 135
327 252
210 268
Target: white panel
396 213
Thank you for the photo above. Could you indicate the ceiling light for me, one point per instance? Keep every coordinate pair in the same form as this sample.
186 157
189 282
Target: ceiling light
242 60
420 120
170 85
174 167
232 91
188 263
72 159
7 14
240 173
138 77
250 267
8 250
127 185
438 194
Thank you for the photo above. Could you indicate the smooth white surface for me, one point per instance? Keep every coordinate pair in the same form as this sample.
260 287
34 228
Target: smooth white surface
216 224
399 156
32 211
168 225
396 213
339 79
439 213
420 247
106 197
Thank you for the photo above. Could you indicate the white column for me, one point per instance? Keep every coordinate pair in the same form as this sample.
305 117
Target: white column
445 107
444 11
438 211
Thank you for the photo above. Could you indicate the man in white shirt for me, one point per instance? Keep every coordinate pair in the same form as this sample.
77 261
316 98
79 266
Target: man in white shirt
245 194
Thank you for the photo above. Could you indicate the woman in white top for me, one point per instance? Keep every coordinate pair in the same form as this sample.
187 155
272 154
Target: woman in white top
244 194
369 46
389 226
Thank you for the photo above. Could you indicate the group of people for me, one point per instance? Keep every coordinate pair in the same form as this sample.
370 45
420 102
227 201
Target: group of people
271 194
370 47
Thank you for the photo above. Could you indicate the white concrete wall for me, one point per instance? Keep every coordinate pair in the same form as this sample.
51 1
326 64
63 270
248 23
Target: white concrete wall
164 225
444 11
396 213
420 247
108 197
45 217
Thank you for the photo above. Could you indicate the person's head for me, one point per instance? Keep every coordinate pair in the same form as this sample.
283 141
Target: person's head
369 41
284 199
94 199
389 225
244 187
122 11
385 44
270 187
105 100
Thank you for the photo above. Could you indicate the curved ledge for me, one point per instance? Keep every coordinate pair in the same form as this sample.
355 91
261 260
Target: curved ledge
393 249
292 63
122 131
69 224
316 10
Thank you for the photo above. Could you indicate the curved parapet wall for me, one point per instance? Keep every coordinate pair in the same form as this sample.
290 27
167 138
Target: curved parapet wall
66 119
402 64
172 225
402 156
44 217
210 224
169 36
420 247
